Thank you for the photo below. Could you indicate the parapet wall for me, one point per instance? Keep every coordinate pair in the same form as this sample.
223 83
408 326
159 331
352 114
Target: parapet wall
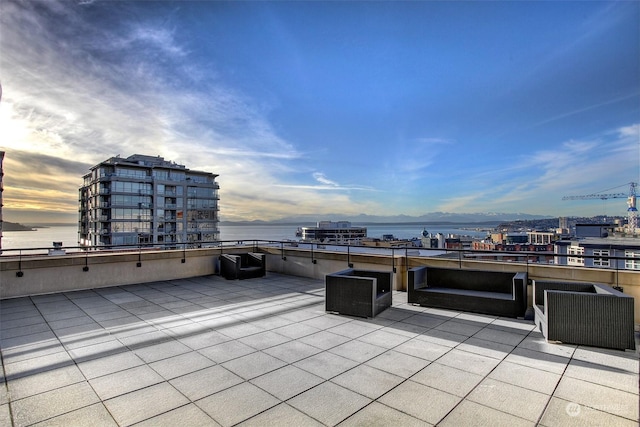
73 272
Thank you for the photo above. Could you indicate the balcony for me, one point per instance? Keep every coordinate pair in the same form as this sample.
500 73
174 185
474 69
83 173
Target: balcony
173 342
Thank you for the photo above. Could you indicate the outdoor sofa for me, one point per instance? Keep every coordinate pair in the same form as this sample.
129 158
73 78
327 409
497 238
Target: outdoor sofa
362 293
584 313
243 266
496 293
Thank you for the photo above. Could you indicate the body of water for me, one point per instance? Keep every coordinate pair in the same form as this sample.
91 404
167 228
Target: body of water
68 235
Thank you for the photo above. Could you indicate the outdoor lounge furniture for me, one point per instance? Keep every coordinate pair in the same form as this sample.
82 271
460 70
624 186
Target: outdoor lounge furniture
496 293
243 266
584 313
361 293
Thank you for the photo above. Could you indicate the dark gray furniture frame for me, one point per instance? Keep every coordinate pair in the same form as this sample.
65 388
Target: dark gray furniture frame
243 266
362 293
496 293
590 314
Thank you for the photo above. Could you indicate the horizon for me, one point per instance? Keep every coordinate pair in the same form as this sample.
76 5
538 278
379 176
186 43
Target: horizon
303 222
390 108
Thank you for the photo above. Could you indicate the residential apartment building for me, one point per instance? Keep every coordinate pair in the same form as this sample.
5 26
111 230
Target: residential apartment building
603 252
150 201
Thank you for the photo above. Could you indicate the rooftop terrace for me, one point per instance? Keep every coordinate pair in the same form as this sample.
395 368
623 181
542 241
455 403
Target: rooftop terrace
206 351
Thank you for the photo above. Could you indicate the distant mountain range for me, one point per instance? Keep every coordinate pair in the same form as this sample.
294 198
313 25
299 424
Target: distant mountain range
433 217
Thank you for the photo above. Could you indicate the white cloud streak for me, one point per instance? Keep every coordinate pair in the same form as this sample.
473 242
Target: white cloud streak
79 91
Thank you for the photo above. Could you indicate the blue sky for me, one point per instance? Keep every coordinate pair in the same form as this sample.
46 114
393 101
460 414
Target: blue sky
382 108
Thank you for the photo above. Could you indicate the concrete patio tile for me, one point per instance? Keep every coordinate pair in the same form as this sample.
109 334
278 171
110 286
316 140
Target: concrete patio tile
358 351
281 415
563 413
203 339
36 365
384 338
518 326
470 362
469 413
146 403
406 329
126 381
329 403
486 348
444 338
263 340
395 314
53 403
189 415
186 330
325 321
326 365
397 363
292 351
95 415
420 401
109 364
461 327
142 335
4 393
446 378
379 415
324 340
476 318
537 342
353 329
98 350
422 349
606 375
5 414
625 360
425 320
599 397
237 404
296 330
253 365
240 330
182 364
200 384
164 350
526 377
13 354
286 382
538 360
271 321
368 381
44 381
520 402
499 336
9 322
59 326
26 330
226 351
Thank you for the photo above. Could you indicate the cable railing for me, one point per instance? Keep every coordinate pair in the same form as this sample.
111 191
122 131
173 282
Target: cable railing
525 257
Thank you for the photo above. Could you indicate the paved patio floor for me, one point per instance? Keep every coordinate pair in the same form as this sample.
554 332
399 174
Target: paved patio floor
207 352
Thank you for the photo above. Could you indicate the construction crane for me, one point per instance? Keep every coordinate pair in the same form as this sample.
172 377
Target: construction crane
632 210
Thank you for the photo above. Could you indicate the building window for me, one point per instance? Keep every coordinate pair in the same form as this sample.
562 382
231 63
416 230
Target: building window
575 250
634 263
601 262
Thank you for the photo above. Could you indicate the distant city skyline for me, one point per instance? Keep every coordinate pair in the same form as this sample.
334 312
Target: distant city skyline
377 108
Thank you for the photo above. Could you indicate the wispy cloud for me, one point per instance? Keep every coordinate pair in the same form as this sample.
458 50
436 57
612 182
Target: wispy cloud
127 90
575 167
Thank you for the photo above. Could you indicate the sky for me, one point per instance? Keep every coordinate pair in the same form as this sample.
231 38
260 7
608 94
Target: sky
313 107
